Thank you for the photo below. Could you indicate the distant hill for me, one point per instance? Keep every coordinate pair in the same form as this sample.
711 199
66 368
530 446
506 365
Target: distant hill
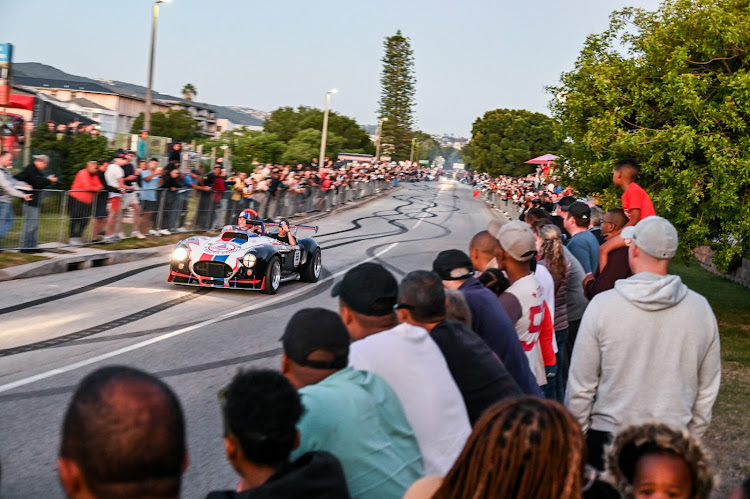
236 114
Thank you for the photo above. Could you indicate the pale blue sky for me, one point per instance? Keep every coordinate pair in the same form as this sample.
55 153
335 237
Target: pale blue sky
471 56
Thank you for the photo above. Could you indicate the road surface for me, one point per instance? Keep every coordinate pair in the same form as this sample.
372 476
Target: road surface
55 329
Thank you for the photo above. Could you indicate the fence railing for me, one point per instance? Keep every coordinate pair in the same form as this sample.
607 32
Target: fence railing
58 218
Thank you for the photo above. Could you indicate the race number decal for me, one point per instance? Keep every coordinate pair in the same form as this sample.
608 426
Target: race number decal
297 257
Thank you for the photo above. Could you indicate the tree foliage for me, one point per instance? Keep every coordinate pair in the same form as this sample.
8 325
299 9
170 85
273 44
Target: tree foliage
189 91
287 122
292 136
503 139
175 123
69 154
671 88
397 83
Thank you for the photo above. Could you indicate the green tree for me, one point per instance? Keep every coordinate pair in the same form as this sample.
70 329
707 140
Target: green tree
176 124
306 145
397 101
286 123
427 148
671 88
248 146
82 149
503 139
189 91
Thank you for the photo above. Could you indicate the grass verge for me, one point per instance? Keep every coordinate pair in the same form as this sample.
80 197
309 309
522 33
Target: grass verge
150 242
8 259
728 437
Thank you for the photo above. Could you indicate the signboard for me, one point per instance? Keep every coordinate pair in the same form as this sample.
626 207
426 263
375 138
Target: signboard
6 52
458 166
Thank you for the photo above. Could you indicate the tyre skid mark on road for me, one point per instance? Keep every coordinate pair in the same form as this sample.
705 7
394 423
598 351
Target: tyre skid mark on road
208 322
78 291
63 390
149 332
141 314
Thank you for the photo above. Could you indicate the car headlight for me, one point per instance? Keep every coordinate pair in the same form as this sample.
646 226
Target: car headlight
249 260
180 254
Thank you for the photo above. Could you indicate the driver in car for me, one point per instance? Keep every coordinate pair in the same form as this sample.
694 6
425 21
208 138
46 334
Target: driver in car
284 235
245 222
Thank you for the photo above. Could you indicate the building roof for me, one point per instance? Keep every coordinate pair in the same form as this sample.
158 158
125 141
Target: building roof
80 101
61 84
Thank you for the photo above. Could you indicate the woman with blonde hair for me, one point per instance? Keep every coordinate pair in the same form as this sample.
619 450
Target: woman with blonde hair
550 253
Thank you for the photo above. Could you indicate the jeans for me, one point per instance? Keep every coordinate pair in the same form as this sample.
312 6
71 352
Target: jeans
30 226
6 218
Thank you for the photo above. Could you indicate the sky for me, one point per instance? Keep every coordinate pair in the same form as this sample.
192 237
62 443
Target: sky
470 57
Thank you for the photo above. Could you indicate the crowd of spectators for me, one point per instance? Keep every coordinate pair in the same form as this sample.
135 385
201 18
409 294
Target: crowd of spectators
155 199
477 378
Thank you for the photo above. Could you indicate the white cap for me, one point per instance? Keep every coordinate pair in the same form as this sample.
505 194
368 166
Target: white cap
654 235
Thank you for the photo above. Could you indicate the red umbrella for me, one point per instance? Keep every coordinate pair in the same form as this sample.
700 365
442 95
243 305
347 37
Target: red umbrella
542 160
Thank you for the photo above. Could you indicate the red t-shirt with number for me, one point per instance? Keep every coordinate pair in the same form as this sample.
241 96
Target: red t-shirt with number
635 198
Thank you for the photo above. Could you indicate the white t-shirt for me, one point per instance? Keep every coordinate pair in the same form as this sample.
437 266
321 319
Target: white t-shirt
530 296
113 175
411 362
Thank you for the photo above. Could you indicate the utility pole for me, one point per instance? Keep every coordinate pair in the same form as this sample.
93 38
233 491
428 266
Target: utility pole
380 135
324 135
147 114
413 143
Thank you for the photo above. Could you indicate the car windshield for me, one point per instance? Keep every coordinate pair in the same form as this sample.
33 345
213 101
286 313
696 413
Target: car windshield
228 236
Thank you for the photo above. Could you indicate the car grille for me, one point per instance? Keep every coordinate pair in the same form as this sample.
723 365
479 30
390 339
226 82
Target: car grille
212 269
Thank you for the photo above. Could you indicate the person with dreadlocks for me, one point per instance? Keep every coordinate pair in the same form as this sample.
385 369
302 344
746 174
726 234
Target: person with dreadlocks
527 447
654 459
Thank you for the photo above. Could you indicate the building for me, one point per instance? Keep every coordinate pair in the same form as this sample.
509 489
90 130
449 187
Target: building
112 108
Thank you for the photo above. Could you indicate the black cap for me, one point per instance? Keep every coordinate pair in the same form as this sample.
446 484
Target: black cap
565 201
580 210
449 260
313 329
368 289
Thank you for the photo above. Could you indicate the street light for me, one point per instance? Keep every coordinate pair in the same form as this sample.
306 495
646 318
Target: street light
147 114
413 143
380 134
325 127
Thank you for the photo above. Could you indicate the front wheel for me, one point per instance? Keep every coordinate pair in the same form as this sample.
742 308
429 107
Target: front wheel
273 276
313 268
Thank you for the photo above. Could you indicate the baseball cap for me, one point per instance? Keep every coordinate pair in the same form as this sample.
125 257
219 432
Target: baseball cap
368 289
120 155
312 329
579 210
517 239
564 202
448 261
654 235
42 157
495 225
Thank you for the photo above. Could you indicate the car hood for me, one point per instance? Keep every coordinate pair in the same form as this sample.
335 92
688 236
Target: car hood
216 249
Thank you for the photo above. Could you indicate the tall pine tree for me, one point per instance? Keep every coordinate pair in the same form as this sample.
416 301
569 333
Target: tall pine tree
397 96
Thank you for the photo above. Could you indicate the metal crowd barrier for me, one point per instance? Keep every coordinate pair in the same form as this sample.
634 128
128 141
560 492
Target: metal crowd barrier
63 218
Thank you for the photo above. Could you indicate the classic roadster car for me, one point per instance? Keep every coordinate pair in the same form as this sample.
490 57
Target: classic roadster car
245 258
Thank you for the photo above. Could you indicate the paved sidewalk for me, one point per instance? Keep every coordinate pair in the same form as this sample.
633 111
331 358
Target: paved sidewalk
66 258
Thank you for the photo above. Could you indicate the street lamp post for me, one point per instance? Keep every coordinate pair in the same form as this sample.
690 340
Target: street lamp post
325 128
413 143
380 134
147 114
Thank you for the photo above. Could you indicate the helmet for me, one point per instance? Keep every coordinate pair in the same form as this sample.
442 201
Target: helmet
248 215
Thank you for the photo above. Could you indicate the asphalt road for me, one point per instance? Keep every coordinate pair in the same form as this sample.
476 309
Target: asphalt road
56 329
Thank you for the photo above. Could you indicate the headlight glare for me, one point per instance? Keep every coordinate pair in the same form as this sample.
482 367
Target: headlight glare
180 254
249 260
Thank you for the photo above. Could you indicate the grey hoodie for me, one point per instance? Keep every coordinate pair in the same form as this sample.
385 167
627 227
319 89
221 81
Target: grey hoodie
647 350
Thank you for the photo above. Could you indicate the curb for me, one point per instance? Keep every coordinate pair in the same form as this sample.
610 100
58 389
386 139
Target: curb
100 258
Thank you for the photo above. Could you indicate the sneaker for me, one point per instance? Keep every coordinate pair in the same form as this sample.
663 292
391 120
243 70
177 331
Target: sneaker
181 229
153 232
108 239
75 241
121 235
137 234
165 232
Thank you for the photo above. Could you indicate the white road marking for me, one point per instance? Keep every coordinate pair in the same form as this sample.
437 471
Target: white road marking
166 336
423 217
